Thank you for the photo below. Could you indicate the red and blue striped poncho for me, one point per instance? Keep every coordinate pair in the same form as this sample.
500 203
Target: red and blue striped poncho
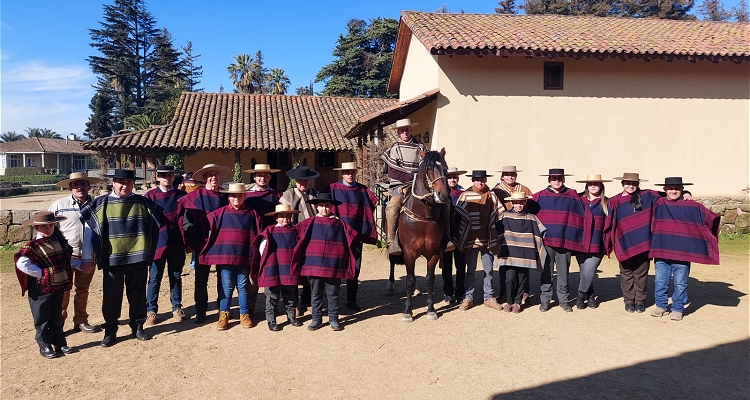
232 233
274 267
567 220
170 232
357 209
194 207
627 231
596 245
456 193
51 254
684 230
263 202
324 249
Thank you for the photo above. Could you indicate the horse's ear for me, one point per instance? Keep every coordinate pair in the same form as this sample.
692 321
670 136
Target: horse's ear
442 152
421 154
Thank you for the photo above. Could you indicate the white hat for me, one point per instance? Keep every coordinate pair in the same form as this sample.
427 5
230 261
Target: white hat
405 122
347 166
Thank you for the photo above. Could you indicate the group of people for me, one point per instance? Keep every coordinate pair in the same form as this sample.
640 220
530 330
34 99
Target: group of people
300 244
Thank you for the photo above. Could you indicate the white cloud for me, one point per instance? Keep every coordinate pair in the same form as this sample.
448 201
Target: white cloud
34 75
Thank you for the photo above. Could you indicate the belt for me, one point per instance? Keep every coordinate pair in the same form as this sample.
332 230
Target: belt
76 257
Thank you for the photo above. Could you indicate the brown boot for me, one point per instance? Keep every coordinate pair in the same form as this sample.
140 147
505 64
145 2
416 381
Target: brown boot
150 318
245 321
392 212
223 321
492 303
466 304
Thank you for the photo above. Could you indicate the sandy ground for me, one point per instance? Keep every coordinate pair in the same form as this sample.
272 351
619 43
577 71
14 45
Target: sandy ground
482 353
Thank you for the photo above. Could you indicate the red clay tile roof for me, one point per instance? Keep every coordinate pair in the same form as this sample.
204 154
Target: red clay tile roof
568 36
390 115
44 145
206 121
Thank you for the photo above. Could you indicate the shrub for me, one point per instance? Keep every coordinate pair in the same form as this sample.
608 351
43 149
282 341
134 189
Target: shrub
16 191
33 179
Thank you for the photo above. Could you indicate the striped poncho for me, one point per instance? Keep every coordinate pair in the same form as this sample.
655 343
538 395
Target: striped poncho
684 230
274 267
324 249
123 230
627 232
567 220
231 236
263 202
474 219
521 241
402 159
52 255
357 209
194 207
170 234
596 244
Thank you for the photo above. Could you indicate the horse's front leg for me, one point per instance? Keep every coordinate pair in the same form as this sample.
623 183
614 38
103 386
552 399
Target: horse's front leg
389 290
410 279
431 314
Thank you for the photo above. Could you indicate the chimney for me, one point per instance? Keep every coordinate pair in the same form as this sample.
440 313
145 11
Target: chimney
72 136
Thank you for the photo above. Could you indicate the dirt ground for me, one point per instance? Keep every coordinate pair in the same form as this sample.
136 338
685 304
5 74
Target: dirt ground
482 353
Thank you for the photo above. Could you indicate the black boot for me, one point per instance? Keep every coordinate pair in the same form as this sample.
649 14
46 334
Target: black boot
592 299
139 333
581 300
293 321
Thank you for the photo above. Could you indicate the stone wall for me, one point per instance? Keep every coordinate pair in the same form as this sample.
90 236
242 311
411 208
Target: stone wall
11 230
734 211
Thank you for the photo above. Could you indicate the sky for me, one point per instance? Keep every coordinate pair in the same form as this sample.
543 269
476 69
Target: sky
45 81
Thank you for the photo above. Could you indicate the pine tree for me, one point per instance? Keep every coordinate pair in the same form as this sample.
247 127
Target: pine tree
665 9
259 74
506 7
166 75
191 69
102 122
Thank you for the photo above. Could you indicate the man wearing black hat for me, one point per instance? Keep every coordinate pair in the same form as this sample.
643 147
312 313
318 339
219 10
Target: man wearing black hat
121 234
170 249
477 210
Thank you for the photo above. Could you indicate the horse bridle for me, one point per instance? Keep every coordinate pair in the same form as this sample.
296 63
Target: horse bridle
411 214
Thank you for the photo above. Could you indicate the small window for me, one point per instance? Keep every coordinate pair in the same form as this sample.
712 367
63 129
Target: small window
326 159
553 76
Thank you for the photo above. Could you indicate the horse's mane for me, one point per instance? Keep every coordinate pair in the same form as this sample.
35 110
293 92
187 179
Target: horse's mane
430 159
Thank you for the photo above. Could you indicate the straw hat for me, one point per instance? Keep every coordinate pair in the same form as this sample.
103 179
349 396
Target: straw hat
261 168
43 218
516 196
454 171
630 176
593 178
673 180
556 171
222 170
234 188
405 122
77 176
509 169
282 209
347 166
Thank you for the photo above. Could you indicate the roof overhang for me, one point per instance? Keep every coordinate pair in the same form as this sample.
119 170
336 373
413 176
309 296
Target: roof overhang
391 114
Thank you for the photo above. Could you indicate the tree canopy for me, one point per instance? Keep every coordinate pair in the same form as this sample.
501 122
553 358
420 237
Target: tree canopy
42 133
362 60
11 136
666 9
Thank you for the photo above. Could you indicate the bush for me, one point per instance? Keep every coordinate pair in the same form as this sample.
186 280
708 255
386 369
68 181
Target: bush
16 191
21 171
33 179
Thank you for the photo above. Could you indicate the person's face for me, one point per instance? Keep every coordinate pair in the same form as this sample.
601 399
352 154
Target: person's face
324 209
479 183
212 180
123 187
452 181
404 133
262 179
674 191
302 184
349 176
46 230
518 205
595 188
80 189
165 179
630 186
237 200
283 219
556 181
509 177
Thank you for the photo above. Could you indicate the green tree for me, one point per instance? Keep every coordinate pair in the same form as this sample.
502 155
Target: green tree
240 72
665 9
506 7
363 60
191 69
278 81
102 121
11 136
166 73
42 133
713 10
305 90
259 74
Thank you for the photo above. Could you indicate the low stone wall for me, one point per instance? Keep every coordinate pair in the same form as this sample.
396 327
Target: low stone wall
11 230
734 211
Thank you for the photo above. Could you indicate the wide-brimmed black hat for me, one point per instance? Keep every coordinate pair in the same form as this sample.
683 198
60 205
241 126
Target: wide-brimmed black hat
478 173
123 174
165 168
324 198
673 180
302 172
556 171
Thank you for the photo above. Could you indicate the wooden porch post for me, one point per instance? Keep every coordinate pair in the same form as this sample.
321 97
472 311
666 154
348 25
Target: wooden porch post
118 164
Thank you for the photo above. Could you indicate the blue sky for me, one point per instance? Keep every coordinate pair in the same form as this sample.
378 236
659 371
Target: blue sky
45 81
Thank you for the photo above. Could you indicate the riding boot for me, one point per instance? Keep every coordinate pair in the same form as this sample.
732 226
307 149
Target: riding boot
446 217
581 300
392 211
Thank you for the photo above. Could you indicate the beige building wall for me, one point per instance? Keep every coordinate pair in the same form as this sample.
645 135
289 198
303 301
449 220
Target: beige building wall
656 118
420 72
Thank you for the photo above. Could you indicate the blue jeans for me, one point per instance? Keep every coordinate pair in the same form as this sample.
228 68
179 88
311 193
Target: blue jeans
678 271
471 267
234 276
174 263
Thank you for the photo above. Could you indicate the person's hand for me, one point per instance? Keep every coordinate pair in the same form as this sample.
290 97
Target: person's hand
687 196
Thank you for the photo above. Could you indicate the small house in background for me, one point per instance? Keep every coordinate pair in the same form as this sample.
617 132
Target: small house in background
227 128
47 155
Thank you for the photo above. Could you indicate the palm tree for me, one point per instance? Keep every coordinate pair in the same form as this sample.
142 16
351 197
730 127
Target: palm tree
10 136
42 133
241 73
137 122
278 81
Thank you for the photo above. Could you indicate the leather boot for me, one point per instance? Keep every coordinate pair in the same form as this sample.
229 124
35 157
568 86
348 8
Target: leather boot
592 299
223 323
392 211
293 321
581 300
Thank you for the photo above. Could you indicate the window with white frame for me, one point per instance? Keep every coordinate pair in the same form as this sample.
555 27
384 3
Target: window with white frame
14 160
82 162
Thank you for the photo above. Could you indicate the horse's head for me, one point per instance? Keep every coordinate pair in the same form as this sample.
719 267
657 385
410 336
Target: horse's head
432 173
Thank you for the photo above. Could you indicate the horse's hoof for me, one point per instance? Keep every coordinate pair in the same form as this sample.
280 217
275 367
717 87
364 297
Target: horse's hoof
389 289
431 316
407 318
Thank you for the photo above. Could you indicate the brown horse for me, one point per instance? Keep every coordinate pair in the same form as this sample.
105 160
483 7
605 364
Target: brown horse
420 225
